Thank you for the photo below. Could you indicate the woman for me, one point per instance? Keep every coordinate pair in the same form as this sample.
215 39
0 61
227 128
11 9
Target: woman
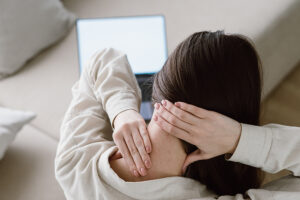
84 164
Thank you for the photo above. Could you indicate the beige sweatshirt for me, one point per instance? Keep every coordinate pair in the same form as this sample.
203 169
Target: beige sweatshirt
107 87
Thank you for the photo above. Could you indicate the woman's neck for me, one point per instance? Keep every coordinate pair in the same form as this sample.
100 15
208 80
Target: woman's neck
167 157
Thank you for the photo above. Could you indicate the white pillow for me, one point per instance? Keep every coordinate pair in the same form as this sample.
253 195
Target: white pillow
26 27
11 122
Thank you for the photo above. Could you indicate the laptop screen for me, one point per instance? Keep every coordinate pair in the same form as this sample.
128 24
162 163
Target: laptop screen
142 38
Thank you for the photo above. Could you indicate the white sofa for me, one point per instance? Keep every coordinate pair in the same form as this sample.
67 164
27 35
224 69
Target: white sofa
43 86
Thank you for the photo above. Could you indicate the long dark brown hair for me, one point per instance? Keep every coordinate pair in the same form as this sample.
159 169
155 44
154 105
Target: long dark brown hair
222 73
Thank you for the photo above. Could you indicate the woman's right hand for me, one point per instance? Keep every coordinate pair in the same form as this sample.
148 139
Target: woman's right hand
132 138
213 133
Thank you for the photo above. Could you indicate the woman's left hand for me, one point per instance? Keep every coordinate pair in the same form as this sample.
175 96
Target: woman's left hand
213 133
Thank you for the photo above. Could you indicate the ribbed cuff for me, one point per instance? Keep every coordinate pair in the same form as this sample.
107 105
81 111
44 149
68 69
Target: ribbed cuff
120 102
253 147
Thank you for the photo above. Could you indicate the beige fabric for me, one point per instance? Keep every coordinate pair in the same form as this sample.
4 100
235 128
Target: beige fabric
27 169
277 147
272 24
44 84
11 122
28 27
108 87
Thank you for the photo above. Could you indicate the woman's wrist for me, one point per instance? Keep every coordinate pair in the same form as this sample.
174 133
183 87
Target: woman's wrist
120 117
236 137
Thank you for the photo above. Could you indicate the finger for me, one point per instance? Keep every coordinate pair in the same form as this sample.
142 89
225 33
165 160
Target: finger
172 130
145 135
170 118
193 157
141 148
179 113
126 155
135 155
197 111
116 155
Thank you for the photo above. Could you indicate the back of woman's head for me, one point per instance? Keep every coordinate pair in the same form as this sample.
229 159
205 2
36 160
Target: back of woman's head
221 73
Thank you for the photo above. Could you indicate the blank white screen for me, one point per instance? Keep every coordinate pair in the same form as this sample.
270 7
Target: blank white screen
143 39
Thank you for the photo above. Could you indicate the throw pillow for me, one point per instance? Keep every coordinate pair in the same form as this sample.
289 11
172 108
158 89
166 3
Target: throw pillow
27 27
11 122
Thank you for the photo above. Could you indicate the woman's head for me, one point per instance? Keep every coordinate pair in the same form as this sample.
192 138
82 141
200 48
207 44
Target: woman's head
221 73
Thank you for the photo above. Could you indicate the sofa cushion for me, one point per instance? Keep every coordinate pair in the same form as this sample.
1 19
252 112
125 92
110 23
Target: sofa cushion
11 122
44 85
27 169
27 27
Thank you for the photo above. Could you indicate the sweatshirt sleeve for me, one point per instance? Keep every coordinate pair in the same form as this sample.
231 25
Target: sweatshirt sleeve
114 83
285 188
271 147
106 87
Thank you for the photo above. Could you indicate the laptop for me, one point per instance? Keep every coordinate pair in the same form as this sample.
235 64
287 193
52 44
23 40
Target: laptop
142 38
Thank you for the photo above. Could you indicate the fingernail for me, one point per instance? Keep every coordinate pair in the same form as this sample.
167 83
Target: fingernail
177 104
155 118
164 102
143 171
148 164
135 173
156 105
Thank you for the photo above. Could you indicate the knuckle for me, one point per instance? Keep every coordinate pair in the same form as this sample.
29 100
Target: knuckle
195 131
134 123
183 105
169 107
132 167
132 150
124 126
170 129
127 126
126 156
172 120
161 109
160 112
147 142
116 136
139 143
172 109
164 125
127 133
181 115
145 158
159 121
143 133
138 163
140 121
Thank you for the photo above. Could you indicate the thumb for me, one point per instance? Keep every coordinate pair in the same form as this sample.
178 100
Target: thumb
116 155
193 157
